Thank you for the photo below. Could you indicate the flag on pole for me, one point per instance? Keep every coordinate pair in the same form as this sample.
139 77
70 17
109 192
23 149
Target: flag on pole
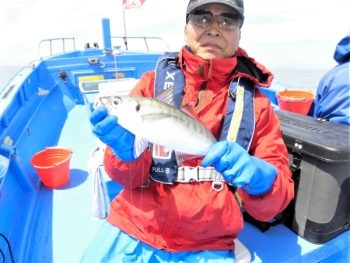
129 4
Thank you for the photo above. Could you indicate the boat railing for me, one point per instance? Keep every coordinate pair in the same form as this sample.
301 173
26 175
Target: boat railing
51 40
145 39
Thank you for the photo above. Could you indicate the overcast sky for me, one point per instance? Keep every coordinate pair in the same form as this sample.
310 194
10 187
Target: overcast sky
277 33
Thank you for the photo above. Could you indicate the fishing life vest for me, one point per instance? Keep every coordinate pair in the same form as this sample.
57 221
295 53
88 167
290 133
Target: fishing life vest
235 128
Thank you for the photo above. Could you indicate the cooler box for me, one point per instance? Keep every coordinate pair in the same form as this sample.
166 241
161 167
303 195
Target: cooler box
322 197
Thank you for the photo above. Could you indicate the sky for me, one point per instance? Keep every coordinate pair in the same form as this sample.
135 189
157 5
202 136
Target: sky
277 33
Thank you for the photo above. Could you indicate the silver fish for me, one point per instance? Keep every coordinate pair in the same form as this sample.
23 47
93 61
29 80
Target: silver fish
158 122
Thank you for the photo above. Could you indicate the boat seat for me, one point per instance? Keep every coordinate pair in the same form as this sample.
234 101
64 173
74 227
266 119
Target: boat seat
242 253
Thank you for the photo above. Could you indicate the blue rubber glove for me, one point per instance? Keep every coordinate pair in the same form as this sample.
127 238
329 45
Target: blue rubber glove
107 129
241 169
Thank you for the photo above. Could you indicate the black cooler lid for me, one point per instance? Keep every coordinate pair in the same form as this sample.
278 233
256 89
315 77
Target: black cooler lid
326 141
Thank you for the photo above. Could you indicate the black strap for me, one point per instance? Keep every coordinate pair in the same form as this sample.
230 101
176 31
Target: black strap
285 217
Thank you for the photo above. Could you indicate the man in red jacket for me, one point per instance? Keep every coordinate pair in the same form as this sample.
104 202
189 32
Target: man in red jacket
154 220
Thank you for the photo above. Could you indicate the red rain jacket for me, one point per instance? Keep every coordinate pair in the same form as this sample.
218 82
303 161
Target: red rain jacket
192 216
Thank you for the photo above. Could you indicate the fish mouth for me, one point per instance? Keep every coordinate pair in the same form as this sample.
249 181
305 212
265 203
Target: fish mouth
104 100
117 101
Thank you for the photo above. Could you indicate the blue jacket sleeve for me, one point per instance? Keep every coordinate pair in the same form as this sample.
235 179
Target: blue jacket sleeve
332 100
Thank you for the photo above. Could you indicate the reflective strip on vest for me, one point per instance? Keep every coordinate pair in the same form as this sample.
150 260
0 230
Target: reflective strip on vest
240 129
237 115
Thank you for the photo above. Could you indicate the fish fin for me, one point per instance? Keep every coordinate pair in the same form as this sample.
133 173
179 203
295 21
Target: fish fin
102 101
189 110
181 157
140 145
166 96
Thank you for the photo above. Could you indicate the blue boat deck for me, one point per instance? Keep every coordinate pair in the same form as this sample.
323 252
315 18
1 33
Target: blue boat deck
280 244
62 225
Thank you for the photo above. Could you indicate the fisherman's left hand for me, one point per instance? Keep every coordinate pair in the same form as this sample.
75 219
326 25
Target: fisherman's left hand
107 129
240 168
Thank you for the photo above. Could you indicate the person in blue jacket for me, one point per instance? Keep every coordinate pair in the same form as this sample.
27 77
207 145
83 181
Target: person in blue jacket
332 100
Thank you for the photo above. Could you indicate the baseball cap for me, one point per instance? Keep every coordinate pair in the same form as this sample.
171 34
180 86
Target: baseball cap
236 5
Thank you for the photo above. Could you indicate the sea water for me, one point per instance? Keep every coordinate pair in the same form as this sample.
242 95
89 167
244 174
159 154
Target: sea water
7 73
303 79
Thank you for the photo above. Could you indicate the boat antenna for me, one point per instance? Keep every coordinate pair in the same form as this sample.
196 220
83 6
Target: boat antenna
125 40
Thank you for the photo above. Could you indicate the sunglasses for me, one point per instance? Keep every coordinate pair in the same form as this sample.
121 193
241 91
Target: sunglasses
204 18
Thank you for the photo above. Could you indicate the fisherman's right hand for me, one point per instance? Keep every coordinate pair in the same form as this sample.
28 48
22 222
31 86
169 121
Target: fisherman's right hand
107 129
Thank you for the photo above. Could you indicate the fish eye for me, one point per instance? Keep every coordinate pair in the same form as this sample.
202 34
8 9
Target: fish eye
138 107
116 101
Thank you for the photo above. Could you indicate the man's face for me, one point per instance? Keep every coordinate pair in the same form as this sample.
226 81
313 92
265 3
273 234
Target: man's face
212 41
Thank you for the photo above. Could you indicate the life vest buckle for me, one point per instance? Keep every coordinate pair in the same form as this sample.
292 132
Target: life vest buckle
191 174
